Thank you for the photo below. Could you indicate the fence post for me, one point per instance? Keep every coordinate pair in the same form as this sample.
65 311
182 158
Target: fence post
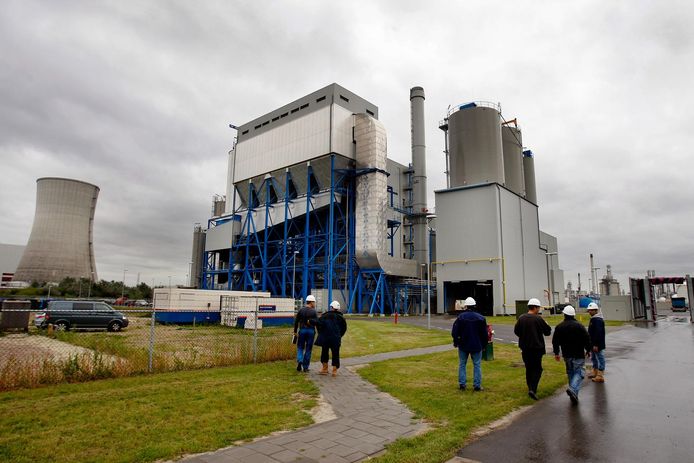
255 333
151 338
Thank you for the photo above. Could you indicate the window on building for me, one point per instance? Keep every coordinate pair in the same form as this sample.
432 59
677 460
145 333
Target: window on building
320 99
344 98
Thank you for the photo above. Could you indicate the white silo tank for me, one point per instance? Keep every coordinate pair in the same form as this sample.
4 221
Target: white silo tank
61 240
513 159
475 147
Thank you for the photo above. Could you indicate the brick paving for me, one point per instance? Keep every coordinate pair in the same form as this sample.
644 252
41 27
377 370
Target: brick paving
367 420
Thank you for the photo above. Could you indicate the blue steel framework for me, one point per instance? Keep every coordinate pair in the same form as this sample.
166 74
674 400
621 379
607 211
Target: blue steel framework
314 250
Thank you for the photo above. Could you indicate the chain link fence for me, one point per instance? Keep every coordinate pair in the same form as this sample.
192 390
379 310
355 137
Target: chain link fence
82 341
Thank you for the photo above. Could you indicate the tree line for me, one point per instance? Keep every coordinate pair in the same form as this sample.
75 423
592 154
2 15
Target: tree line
82 287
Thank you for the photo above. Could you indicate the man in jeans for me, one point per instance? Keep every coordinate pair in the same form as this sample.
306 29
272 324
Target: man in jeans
305 322
573 340
531 330
470 337
596 330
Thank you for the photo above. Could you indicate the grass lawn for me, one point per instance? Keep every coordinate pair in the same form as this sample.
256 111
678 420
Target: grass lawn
552 320
146 418
365 337
428 385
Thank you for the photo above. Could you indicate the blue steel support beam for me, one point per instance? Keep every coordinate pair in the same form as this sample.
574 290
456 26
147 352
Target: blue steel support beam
331 228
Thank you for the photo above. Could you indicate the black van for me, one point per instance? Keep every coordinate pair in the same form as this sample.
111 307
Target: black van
65 315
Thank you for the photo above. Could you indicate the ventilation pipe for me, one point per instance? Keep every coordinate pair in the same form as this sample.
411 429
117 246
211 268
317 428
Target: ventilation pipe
419 178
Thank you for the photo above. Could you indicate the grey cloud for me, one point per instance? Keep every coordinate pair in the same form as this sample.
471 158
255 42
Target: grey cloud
136 98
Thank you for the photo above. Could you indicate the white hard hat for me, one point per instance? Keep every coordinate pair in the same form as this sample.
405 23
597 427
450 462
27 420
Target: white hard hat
593 306
310 298
534 302
335 305
569 310
469 302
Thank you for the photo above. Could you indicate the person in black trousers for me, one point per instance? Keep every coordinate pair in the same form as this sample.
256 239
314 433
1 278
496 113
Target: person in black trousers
531 330
331 328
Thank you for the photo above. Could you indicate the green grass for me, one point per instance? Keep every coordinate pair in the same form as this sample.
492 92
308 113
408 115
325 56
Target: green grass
147 418
365 337
552 320
428 385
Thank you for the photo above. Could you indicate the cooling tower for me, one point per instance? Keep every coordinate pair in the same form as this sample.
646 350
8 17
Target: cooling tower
61 240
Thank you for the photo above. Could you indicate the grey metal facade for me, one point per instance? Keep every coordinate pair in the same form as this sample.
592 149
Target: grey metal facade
61 240
487 233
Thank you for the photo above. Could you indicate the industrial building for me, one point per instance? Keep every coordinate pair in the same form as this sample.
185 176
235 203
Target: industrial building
61 240
10 254
314 205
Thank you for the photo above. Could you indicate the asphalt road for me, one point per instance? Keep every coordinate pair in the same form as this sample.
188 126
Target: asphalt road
643 412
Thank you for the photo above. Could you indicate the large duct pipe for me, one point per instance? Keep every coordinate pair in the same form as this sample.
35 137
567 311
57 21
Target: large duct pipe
419 178
61 240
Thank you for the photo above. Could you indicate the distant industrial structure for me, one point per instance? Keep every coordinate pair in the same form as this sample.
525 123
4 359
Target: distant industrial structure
61 240
10 255
314 205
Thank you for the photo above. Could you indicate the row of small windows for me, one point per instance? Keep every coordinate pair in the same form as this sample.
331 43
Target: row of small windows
303 106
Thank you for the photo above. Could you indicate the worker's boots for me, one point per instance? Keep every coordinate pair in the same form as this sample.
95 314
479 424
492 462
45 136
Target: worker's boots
334 371
593 374
599 378
324 370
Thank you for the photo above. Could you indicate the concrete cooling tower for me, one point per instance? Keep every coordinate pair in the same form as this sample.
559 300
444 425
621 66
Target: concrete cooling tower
61 240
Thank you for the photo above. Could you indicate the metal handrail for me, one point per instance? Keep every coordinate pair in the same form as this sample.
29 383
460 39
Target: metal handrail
483 104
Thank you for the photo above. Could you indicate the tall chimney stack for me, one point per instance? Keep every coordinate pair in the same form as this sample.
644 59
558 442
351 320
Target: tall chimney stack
419 179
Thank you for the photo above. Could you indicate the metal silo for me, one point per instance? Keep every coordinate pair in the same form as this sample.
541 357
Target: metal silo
513 159
61 240
475 147
529 175
196 258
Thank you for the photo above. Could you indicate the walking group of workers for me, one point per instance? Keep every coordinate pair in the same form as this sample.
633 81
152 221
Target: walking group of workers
331 326
571 341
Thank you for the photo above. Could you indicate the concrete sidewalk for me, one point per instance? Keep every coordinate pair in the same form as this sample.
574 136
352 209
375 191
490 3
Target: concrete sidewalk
367 420
643 412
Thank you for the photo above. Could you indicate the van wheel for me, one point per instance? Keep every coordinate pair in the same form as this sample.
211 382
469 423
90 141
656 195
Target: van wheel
61 325
115 326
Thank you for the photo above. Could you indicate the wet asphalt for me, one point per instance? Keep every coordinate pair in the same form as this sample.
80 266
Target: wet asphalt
644 412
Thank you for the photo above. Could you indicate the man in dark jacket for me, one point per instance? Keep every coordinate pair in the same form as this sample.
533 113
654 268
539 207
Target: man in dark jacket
469 334
573 340
305 322
331 328
596 330
531 330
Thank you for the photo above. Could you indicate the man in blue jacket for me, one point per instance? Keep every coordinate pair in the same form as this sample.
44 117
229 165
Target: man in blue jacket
470 337
596 330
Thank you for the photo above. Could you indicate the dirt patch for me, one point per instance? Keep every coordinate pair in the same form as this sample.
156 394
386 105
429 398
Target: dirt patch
27 348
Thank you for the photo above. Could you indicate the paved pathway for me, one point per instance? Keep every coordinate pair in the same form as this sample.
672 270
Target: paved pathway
367 420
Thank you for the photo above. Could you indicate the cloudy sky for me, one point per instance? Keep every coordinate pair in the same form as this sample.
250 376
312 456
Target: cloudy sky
136 97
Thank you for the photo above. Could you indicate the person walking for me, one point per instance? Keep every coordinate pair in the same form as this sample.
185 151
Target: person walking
305 322
331 328
596 330
573 340
469 334
531 330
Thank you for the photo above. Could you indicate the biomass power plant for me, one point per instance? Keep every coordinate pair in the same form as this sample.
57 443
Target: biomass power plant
314 205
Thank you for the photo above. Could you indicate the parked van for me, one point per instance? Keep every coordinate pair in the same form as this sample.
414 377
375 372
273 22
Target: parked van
65 315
